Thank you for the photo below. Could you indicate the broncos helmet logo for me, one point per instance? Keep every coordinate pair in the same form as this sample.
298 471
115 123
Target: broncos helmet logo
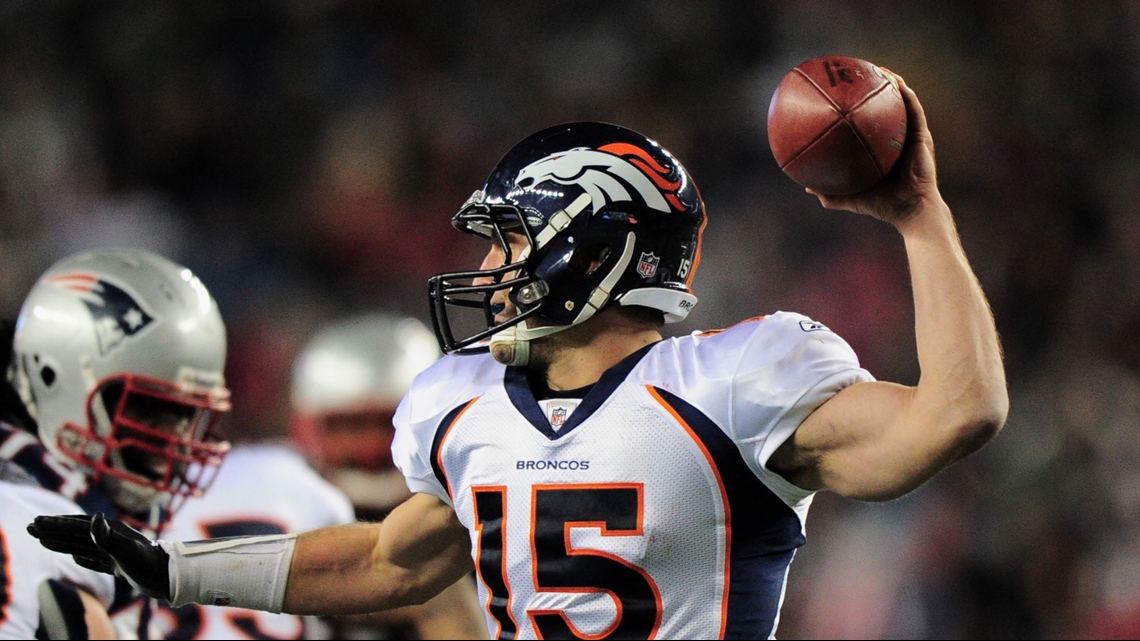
608 174
117 314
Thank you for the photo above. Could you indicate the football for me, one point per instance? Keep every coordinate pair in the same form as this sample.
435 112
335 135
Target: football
837 124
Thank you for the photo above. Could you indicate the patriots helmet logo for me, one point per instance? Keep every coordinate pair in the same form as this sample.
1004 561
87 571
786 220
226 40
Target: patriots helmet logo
117 314
610 173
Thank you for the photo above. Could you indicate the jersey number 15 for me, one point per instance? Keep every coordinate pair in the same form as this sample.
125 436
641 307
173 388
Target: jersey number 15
614 509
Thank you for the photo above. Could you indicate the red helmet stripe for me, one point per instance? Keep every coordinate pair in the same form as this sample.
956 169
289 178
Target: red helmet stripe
81 283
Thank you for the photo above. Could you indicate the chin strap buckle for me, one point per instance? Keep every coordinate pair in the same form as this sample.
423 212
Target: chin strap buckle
509 349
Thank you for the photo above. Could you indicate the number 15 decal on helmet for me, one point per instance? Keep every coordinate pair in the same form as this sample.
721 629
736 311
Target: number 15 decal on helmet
608 216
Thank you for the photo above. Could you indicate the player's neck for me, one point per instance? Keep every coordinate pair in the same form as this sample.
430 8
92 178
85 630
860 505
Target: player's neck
579 356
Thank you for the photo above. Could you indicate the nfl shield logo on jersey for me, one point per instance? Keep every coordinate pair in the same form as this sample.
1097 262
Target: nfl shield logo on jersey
647 267
558 417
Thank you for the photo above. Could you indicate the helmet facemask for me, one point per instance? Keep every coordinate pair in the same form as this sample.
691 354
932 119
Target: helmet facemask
149 441
515 275
353 449
608 216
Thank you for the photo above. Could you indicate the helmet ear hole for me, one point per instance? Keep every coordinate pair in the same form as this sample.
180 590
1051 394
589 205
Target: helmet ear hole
43 372
586 260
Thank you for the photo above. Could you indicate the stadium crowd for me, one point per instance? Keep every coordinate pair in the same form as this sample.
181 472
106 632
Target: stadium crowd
304 159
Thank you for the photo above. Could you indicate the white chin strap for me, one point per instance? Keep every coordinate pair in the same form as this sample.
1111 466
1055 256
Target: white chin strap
512 345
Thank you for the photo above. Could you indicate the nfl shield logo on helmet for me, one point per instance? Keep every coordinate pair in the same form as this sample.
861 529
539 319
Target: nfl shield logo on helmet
647 266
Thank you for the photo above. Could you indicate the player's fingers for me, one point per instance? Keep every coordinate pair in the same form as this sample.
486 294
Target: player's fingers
830 202
915 114
100 530
60 528
71 547
114 537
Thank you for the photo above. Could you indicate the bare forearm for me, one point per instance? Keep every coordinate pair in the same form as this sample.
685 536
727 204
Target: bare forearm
333 573
420 549
878 440
962 387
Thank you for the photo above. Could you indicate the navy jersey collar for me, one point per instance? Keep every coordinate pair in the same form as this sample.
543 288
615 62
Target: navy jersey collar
522 397
31 467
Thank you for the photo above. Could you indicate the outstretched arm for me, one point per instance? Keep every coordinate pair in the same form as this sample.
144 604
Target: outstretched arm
877 441
420 549
414 554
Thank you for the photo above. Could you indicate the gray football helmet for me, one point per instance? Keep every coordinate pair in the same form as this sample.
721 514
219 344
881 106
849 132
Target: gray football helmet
119 356
347 383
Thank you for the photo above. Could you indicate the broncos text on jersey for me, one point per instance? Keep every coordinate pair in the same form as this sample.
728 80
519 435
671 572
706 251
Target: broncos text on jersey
649 513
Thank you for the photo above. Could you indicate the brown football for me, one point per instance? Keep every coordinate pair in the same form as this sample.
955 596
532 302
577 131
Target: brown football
837 124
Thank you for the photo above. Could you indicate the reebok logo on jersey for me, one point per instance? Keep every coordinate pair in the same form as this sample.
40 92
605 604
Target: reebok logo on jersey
552 465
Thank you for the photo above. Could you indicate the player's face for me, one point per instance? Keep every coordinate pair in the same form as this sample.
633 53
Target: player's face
497 257
359 439
160 415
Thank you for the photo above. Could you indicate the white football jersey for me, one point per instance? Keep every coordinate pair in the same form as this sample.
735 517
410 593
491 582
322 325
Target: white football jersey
34 483
260 489
649 512
25 564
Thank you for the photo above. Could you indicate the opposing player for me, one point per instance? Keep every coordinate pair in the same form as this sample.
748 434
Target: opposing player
606 482
113 387
346 385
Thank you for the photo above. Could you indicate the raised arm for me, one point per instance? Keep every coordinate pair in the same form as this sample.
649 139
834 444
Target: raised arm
878 440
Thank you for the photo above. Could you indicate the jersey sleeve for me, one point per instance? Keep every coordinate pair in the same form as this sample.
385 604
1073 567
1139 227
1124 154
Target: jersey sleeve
788 367
436 393
412 454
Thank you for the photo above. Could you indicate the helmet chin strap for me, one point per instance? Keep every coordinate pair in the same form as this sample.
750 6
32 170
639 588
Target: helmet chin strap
512 345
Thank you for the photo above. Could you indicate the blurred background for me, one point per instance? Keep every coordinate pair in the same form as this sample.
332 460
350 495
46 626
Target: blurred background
304 157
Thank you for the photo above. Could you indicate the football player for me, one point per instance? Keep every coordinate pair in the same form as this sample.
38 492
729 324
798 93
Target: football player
605 482
346 385
114 385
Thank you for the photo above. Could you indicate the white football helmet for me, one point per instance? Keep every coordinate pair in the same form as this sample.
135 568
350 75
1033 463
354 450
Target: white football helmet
118 355
347 383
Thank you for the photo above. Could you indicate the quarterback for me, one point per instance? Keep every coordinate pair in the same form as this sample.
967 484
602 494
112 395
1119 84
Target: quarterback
605 482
